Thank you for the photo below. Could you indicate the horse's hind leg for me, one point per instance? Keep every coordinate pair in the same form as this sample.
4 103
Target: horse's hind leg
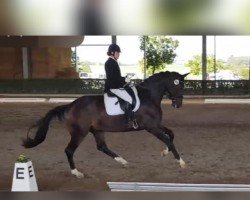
162 135
102 146
77 137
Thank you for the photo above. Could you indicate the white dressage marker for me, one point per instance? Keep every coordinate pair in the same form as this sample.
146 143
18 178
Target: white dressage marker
24 178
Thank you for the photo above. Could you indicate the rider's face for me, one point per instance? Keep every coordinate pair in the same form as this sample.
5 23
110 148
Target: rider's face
116 55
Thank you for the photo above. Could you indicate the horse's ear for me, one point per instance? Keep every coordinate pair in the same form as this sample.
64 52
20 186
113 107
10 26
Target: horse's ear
184 75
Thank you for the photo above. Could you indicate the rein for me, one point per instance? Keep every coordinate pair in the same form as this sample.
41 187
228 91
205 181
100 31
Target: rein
132 85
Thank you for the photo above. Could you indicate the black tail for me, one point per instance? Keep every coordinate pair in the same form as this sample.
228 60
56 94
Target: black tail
43 126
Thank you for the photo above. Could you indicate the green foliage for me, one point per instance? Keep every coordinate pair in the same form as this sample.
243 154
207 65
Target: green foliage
239 65
84 67
244 73
195 64
22 159
149 71
159 51
241 60
241 71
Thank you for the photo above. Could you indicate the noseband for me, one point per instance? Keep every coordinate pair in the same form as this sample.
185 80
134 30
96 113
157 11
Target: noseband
175 98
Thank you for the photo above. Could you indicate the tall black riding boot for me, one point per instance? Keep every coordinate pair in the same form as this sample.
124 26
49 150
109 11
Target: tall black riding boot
130 116
129 113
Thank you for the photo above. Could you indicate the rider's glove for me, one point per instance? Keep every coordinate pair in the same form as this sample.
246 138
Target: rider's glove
127 79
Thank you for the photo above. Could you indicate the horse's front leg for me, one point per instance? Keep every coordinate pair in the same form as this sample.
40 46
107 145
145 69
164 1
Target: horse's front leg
172 148
162 134
170 134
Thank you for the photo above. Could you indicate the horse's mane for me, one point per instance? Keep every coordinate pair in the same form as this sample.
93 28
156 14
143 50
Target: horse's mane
155 78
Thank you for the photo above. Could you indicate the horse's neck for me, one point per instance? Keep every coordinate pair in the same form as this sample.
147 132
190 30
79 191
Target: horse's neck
157 95
154 93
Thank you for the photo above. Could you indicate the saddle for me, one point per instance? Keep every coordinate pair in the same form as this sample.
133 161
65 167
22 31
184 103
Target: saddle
116 100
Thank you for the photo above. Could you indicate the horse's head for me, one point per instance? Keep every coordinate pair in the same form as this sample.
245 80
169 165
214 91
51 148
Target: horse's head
170 82
175 85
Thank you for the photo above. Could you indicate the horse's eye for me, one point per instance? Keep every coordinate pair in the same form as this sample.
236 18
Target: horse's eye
176 82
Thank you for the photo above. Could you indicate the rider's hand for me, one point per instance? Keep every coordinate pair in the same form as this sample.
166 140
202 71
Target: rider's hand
127 79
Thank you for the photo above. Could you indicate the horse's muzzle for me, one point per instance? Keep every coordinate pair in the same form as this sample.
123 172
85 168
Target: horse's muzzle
176 103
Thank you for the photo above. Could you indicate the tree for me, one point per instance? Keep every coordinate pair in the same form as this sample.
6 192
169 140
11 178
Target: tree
159 51
240 61
195 64
84 67
244 73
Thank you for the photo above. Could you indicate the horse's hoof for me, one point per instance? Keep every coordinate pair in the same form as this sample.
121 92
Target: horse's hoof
182 163
121 160
77 173
183 166
164 152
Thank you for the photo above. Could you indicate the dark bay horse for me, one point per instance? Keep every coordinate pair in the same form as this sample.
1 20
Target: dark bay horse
87 114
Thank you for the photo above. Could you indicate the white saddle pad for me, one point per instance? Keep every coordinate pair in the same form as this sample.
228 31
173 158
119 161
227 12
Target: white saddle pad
111 105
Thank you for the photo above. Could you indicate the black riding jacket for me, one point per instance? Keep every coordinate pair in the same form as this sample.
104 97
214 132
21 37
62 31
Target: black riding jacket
114 79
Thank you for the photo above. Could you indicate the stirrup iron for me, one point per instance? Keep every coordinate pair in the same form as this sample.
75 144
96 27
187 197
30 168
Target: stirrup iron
135 124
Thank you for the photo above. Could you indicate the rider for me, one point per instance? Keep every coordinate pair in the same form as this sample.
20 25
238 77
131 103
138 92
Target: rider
114 80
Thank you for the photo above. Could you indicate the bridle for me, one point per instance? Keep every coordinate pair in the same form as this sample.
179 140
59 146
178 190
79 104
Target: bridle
178 97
